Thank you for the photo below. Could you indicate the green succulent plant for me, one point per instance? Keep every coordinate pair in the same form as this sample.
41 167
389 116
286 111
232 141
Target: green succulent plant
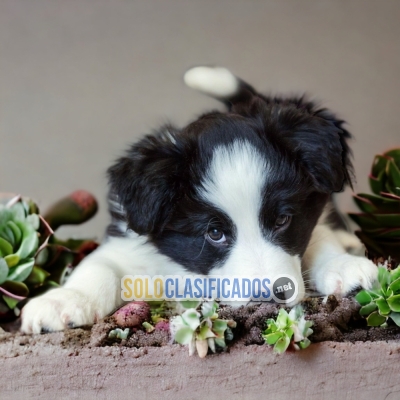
32 259
380 217
288 328
200 328
383 300
119 333
20 228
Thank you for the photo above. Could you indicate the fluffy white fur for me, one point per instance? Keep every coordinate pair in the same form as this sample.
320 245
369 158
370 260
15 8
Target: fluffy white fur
331 269
234 183
94 289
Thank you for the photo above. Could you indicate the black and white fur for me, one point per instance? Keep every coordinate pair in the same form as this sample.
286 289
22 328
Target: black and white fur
245 192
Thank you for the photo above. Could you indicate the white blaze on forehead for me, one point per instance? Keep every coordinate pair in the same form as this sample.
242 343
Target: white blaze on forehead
234 184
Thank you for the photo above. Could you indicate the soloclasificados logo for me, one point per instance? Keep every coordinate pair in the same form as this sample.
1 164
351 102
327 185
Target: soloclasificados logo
282 288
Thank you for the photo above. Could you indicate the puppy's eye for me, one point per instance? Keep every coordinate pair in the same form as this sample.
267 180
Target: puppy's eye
282 220
215 236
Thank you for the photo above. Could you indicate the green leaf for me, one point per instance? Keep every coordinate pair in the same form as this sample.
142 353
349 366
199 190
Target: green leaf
375 319
363 297
283 319
228 334
220 342
192 318
148 327
289 332
17 289
394 154
368 309
30 241
205 333
395 285
34 221
282 344
377 182
296 313
373 203
304 343
395 274
395 317
9 235
12 260
42 256
394 302
379 164
208 308
383 306
365 205
388 220
393 174
272 338
11 302
18 212
271 326
383 278
21 271
184 335
3 270
219 326
385 233
5 247
16 232
190 304
37 276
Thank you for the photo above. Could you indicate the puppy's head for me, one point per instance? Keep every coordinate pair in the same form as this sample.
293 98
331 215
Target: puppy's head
236 193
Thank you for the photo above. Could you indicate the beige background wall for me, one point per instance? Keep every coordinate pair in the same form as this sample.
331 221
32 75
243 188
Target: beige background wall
81 79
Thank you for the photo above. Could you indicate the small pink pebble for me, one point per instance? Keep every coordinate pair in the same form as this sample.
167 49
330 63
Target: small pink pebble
132 314
162 326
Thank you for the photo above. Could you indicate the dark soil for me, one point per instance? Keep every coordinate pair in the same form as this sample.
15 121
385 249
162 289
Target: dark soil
335 319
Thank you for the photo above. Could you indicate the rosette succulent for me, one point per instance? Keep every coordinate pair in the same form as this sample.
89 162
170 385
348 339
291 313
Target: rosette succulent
32 259
383 300
288 328
200 328
380 217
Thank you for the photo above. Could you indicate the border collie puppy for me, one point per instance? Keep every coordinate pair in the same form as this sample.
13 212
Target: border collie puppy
244 192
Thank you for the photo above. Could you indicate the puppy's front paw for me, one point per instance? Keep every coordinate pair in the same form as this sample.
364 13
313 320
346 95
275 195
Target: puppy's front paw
344 273
56 310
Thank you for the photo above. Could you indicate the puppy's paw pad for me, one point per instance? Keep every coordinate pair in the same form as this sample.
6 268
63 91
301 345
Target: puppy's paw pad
55 311
344 273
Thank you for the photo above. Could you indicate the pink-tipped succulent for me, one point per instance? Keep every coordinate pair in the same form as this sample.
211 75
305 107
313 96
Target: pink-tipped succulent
32 259
380 217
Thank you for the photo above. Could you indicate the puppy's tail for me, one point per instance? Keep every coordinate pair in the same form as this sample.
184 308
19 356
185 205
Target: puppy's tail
218 82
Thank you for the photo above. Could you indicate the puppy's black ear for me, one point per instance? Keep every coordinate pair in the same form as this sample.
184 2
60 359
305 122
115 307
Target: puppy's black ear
146 181
320 144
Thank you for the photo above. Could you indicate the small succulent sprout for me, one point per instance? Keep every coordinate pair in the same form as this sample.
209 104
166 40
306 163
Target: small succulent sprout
119 333
383 300
148 327
200 328
288 328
